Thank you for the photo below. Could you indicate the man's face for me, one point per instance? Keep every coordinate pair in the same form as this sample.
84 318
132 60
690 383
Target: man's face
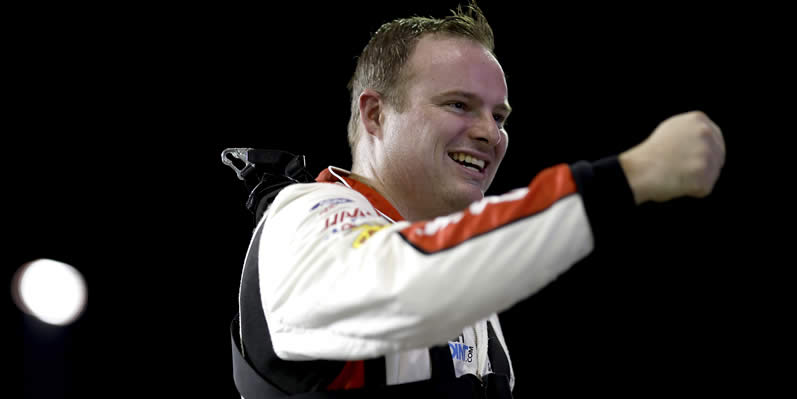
455 106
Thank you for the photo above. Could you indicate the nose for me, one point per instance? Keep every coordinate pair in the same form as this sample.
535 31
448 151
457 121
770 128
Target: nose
486 130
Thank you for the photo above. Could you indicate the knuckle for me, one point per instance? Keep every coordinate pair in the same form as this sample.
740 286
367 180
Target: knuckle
705 131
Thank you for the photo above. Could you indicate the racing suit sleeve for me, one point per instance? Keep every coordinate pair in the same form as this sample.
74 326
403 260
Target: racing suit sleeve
339 282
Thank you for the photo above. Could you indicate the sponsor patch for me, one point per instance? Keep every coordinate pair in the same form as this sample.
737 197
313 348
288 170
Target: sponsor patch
366 231
331 201
344 216
464 358
461 352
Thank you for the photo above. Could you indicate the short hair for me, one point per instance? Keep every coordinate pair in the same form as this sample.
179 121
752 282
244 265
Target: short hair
382 63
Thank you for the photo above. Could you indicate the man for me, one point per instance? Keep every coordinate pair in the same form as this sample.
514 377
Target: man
353 291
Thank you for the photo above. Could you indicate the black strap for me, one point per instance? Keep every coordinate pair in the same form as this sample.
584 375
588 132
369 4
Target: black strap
290 376
495 351
250 384
275 170
496 385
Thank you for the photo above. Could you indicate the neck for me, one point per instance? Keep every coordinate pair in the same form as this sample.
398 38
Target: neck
370 179
411 209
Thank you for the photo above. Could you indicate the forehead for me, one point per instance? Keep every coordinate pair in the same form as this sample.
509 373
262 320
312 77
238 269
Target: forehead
440 64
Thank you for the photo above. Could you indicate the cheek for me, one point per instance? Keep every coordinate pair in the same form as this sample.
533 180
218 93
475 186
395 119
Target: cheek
398 133
443 125
501 150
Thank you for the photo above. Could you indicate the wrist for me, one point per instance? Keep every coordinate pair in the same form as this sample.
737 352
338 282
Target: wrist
634 173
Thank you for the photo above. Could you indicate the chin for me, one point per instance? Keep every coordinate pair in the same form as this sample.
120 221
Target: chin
468 197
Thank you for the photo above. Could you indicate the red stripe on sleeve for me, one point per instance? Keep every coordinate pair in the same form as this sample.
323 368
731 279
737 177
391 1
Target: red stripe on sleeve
351 377
547 188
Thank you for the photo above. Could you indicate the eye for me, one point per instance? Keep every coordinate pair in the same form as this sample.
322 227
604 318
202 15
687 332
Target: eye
457 105
500 119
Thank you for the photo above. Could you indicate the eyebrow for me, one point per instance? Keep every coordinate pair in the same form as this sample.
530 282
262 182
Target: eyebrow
470 96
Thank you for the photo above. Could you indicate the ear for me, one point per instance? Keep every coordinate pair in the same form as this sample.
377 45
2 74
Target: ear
372 105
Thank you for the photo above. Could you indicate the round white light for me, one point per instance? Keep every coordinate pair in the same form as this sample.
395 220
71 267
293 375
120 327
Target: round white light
51 291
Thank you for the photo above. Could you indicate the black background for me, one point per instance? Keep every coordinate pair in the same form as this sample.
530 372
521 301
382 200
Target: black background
116 118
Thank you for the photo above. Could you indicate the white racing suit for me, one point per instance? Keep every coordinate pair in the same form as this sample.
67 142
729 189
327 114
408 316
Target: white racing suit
350 290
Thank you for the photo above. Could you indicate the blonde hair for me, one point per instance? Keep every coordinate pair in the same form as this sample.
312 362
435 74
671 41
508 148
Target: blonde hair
382 63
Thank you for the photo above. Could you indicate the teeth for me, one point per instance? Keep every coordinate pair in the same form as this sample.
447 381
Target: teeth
467 159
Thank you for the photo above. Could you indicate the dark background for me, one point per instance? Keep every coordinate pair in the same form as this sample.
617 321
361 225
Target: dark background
116 118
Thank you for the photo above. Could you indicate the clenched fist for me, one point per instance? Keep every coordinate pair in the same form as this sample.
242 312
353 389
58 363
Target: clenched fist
682 157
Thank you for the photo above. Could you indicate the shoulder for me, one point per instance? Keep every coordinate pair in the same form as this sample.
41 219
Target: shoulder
313 196
313 202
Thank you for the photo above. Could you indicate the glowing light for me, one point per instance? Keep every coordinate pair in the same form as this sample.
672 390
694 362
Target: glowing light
51 291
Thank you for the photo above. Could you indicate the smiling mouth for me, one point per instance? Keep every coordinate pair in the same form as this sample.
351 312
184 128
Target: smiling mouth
468 161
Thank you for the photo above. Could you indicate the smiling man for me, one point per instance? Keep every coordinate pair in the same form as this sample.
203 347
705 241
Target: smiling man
445 138
386 281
